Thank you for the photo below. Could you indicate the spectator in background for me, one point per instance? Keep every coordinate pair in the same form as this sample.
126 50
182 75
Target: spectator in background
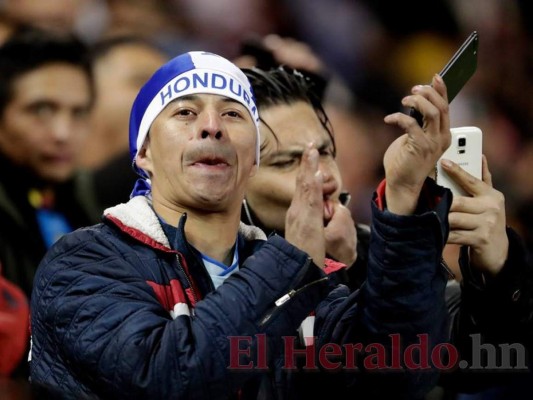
223 24
121 66
46 94
54 15
291 116
163 22
359 158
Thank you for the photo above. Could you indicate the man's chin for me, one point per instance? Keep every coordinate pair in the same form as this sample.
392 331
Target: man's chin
57 176
214 202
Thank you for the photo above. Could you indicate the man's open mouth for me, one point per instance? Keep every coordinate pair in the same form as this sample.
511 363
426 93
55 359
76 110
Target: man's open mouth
211 161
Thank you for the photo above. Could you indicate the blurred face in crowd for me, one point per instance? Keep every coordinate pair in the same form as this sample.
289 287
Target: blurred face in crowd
56 15
200 153
271 190
44 124
119 75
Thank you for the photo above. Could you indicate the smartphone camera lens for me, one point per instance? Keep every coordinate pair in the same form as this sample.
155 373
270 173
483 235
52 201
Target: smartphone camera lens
461 141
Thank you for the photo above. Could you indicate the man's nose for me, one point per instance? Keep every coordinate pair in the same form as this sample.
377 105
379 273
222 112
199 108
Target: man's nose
61 128
217 135
211 126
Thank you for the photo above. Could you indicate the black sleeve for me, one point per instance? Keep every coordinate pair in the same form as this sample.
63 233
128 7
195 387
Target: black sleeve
493 321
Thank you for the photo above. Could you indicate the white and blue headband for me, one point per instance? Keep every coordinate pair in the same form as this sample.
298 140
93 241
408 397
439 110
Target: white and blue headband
190 73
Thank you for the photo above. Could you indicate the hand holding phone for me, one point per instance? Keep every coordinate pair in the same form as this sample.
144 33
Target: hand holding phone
466 151
457 71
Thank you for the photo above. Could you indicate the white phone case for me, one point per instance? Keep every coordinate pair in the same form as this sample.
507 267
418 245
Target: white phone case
466 151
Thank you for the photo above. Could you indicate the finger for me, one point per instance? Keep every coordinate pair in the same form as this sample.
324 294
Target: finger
432 95
469 183
439 85
404 122
309 164
463 221
340 213
485 172
462 237
441 102
309 179
469 205
431 101
419 100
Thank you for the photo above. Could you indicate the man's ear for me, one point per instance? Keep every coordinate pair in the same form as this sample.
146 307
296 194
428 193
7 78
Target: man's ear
144 157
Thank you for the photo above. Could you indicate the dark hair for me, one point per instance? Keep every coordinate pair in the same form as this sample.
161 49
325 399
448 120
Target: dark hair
28 49
285 86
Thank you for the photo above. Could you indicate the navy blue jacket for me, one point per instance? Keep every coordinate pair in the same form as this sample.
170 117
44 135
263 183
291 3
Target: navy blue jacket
120 312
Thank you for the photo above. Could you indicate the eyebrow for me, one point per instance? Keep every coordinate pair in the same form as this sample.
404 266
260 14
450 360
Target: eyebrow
298 152
195 97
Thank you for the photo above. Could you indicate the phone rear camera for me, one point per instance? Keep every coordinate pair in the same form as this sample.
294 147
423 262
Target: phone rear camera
461 141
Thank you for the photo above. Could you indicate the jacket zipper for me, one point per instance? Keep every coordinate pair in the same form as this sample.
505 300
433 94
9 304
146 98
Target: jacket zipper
187 278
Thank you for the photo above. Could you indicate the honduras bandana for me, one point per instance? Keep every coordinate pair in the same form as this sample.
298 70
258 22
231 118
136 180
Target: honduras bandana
190 73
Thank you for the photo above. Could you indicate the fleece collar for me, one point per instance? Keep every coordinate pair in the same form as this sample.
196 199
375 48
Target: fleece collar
138 219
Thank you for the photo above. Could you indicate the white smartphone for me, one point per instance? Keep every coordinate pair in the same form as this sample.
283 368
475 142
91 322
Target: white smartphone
466 151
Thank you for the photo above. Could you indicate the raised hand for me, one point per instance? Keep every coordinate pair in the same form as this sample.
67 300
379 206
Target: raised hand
478 221
304 223
412 157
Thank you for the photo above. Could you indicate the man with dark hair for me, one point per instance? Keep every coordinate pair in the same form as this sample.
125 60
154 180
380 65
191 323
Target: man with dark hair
46 94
